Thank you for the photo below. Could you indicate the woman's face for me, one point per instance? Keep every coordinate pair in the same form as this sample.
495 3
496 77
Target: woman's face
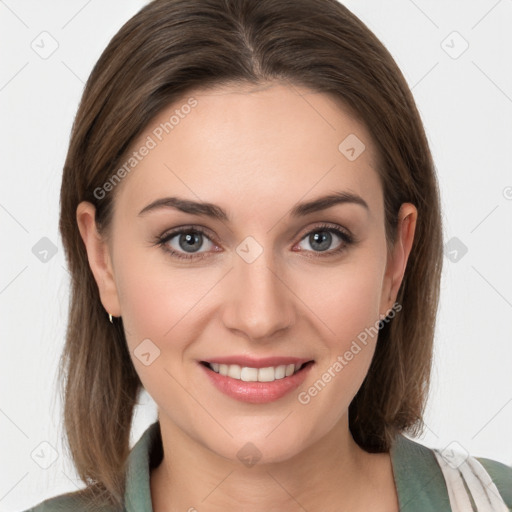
266 282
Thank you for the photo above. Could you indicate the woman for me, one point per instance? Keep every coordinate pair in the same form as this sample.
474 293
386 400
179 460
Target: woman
251 218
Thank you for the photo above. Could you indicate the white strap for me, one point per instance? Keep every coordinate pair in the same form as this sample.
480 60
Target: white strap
459 499
490 490
462 468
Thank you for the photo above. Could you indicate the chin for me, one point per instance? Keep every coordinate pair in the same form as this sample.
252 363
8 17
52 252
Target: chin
255 446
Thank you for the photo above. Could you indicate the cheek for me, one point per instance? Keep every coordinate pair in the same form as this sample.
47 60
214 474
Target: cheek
346 298
159 304
350 309
160 301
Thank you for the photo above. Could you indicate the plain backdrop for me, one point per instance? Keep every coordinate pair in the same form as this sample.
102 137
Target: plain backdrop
456 57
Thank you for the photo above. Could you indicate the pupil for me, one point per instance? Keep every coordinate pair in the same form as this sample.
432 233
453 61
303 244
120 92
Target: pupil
190 241
324 240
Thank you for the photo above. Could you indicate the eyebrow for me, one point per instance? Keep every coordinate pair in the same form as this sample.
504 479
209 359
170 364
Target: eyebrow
216 212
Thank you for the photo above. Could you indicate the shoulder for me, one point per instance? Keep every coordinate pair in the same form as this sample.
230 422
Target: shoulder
70 502
501 475
137 494
419 466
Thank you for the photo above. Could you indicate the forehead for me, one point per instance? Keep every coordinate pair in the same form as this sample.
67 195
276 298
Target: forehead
254 145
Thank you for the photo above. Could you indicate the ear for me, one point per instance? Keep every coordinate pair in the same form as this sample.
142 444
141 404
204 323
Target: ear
99 257
398 256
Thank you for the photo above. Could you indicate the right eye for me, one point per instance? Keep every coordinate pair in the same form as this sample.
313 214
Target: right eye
185 242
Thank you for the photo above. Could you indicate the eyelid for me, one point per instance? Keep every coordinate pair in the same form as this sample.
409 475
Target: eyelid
326 226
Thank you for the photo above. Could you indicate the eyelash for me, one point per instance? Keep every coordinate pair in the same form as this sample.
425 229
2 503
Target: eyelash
162 240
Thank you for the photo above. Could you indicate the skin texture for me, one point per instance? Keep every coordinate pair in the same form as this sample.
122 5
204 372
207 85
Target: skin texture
255 152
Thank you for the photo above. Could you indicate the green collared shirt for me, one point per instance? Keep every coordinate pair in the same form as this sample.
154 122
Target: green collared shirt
418 478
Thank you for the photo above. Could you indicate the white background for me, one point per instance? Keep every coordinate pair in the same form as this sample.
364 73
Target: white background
466 105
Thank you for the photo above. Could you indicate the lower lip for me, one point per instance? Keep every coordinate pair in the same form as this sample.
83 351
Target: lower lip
257 392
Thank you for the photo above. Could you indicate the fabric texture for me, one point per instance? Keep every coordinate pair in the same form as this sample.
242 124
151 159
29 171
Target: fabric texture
422 478
469 485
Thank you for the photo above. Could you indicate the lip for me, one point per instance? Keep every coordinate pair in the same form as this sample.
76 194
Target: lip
257 392
263 362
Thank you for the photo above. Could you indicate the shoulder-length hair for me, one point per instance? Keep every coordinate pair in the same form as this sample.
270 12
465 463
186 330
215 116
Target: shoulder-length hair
171 48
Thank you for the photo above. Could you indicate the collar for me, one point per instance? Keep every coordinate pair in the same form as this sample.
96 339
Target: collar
418 479
142 458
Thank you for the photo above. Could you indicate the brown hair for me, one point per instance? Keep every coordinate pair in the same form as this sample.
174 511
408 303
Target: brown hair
170 48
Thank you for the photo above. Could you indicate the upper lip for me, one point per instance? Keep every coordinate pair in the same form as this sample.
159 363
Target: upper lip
263 362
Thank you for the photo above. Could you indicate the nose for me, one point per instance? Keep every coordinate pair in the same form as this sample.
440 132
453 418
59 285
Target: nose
259 302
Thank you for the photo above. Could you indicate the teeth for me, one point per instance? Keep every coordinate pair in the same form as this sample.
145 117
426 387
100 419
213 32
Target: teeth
266 374
234 371
249 374
280 372
289 370
246 374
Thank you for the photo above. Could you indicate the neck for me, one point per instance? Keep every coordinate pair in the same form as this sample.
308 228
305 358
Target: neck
333 471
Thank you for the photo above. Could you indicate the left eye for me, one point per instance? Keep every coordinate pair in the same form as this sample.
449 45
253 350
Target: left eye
320 239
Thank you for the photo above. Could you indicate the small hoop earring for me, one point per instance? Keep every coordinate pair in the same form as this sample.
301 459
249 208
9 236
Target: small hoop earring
110 318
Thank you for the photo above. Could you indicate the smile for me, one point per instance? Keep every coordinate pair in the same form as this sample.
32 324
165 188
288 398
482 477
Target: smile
248 374
258 383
